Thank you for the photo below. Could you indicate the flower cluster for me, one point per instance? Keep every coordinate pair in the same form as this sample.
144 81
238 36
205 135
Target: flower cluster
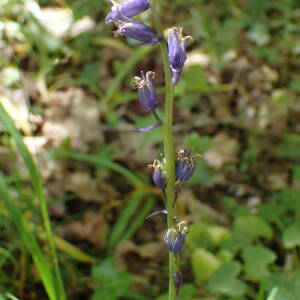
121 15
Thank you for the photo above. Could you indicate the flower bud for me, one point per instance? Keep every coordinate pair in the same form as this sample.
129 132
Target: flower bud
158 176
177 279
176 52
137 31
186 165
146 90
127 9
175 238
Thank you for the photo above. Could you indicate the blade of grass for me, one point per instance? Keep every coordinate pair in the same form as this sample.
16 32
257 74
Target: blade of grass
139 219
29 240
119 228
97 160
38 187
70 249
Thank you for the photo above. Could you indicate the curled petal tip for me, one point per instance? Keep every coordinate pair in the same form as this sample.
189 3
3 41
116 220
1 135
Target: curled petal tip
158 212
147 94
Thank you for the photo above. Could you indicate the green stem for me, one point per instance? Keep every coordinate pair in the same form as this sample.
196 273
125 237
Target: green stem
168 144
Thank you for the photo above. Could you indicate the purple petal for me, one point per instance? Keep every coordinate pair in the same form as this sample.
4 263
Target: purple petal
139 31
147 128
158 212
126 9
176 52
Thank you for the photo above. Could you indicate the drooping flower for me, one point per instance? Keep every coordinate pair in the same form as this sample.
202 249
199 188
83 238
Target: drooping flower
175 237
127 9
186 165
146 90
158 175
137 30
176 52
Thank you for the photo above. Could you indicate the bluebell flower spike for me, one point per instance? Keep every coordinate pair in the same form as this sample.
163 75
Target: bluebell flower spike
128 9
158 174
176 52
175 237
186 165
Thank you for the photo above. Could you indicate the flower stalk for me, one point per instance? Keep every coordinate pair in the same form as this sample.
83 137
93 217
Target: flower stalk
168 145
165 176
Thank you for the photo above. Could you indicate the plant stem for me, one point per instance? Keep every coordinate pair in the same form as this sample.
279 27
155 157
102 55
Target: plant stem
168 144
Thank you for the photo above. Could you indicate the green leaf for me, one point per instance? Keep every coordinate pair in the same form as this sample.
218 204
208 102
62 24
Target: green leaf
290 198
187 291
253 226
225 280
259 34
273 294
194 79
257 259
288 285
204 264
202 175
290 147
291 236
198 143
112 283
90 75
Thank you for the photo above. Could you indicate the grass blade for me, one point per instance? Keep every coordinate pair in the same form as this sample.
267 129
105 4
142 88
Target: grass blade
119 228
140 218
36 181
29 240
94 159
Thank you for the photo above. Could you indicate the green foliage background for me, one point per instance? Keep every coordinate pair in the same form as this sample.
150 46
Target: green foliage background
66 110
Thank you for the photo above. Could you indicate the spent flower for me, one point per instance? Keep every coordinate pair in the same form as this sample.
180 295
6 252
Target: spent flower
186 165
175 237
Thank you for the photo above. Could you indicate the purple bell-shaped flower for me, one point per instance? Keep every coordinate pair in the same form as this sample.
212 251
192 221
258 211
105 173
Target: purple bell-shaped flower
127 9
176 52
146 90
186 165
158 175
138 31
175 238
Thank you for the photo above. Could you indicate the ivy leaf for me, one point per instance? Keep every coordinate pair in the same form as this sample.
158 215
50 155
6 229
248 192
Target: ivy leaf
288 285
225 280
291 236
112 283
204 264
253 226
256 260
